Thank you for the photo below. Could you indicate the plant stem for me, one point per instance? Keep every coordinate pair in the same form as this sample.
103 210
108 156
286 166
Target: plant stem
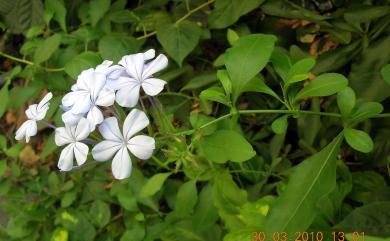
248 112
384 115
29 62
48 124
180 20
177 23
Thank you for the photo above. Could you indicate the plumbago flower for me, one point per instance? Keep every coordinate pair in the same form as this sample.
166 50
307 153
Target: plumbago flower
101 87
34 113
87 94
117 144
138 74
72 135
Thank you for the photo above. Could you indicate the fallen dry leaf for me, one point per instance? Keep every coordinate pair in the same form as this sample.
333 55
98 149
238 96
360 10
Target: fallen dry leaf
28 157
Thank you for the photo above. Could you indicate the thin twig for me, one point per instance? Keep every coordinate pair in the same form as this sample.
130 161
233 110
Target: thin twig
180 20
24 61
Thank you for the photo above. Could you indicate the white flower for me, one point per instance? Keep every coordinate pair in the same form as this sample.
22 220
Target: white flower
34 113
87 94
139 75
118 144
72 135
112 72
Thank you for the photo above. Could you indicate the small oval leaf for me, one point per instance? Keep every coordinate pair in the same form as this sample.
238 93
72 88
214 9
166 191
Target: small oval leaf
358 140
324 85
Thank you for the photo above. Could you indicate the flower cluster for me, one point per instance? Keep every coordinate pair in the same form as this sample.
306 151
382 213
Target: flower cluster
94 90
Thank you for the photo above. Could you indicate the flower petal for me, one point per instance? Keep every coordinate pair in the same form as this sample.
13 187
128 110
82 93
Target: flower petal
110 129
149 54
111 72
106 97
153 86
99 81
23 130
80 152
161 62
128 96
62 137
121 82
71 119
134 65
31 112
70 98
141 146
45 100
31 130
135 121
65 162
82 104
85 79
94 117
82 130
121 164
104 150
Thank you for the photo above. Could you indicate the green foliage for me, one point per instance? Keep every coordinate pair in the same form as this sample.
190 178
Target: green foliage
246 58
358 140
179 39
226 145
249 129
311 180
323 85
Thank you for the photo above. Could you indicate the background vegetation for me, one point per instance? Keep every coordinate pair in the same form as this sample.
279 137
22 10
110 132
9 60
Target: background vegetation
249 170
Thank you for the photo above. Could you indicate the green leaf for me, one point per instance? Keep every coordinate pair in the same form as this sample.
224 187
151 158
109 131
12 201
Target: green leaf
228 199
100 213
55 9
97 9
346 100
257 84
115 46
364 13
323 85
279 126
232 36
365 185
68 199
215 94
154 184
225 145
311 180
205 213
4 97
3 167
60 234
227 12
20 15
180 40
299 71
285 9
365 77
385 72
365 111
224 78
246 58
281 62
186 198
373 218
200 81
47 48
137 233
82 62
358 140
